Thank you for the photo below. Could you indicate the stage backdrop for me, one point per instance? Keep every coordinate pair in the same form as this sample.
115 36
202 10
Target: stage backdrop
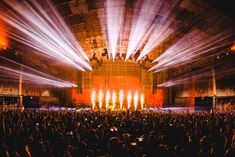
116 83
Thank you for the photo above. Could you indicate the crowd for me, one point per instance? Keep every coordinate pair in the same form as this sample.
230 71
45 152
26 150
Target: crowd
117 134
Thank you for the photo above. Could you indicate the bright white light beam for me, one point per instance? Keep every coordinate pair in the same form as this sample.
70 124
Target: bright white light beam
145 25
33 78
43 29
114 17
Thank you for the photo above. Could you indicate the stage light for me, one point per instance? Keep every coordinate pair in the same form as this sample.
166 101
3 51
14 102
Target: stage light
114 97
107 99
136 99
129 99
121 98
101 96
142 101
93 99
44 30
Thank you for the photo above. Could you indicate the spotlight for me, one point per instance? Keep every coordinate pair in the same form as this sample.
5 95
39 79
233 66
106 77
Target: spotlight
105 53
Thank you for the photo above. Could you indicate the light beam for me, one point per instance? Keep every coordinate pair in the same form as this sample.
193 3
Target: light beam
33 78
42 28
150 25
114 17
13 71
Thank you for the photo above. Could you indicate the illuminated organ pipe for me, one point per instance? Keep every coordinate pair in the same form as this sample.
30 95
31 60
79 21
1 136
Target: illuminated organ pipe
114 97
43 29
101 96
136 99
129 99
93 99
121 98
142 101
107 99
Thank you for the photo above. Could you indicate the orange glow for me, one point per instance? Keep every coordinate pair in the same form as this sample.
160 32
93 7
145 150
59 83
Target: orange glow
233 47
154 99
117 83
3 38
93 97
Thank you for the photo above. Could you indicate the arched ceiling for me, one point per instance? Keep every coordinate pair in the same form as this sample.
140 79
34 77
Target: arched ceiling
158 35
89 22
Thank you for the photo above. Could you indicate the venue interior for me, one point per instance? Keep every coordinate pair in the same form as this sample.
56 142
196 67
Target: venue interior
117 78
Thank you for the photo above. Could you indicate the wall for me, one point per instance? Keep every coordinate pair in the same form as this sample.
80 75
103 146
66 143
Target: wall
185 94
